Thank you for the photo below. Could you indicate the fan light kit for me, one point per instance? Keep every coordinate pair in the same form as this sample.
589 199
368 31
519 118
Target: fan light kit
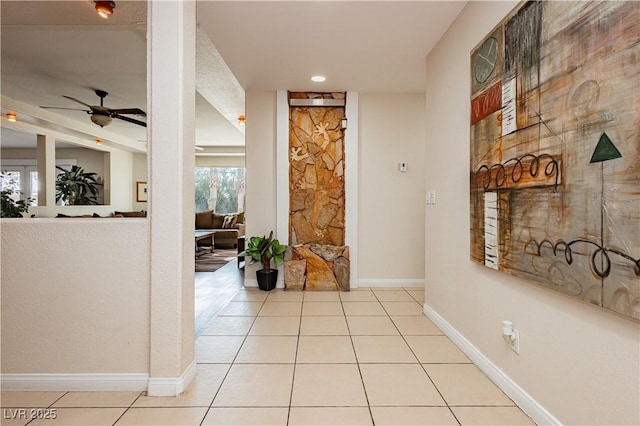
100 119
101 115
12 117
105 8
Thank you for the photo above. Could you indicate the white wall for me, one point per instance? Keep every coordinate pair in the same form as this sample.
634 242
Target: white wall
121 171
109 303
75 296
260 140
139 175
391 203
89 159
579 362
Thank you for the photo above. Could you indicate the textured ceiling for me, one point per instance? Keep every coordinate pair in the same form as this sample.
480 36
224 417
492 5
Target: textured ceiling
54 48
374 46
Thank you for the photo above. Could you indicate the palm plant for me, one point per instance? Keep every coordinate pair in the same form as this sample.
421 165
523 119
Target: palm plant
77 187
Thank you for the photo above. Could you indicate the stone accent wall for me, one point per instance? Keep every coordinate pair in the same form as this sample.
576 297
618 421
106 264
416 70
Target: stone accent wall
316 174
317 258
317 267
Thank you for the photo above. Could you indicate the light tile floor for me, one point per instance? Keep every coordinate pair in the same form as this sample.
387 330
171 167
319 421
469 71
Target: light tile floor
365 357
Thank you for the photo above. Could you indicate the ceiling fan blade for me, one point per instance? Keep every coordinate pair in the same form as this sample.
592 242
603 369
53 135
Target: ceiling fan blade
130 120
135 111
80 102
72 109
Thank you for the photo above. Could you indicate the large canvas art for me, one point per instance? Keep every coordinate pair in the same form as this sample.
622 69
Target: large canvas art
555 150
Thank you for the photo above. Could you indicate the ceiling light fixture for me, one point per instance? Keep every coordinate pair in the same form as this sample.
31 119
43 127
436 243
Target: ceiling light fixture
12 117
105 8
318 78
101 119
241 119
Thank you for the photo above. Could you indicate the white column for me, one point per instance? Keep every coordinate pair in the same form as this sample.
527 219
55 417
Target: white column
282 167
46 153
261 183
351 180
171 162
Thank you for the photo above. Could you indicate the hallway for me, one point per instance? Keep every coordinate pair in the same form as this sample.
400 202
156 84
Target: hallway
363 357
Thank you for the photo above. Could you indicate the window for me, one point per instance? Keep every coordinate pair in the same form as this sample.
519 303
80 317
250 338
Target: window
22 175
11 179
22 179
220 189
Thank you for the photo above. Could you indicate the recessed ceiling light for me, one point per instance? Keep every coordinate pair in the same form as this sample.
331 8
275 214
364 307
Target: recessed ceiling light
318 78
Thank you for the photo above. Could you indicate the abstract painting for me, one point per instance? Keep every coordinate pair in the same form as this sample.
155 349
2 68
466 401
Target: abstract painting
555 150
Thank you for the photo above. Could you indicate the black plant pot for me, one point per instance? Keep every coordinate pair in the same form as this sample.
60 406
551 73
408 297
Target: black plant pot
267 279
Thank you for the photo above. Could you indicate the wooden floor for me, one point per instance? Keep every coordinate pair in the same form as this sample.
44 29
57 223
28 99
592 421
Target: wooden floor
213 290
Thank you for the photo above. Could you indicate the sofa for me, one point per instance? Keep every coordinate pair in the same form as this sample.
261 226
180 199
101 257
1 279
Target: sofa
227 227
141 213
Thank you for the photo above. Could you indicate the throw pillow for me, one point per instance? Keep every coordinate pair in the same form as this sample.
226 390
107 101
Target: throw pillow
240 217
204 220
229 221
217 221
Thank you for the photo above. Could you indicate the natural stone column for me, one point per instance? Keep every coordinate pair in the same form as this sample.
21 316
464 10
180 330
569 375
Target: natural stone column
317 267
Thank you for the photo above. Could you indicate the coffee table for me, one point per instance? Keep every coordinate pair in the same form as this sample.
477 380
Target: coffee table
203 235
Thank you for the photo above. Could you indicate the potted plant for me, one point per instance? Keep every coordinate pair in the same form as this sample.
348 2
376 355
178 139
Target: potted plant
9 206
77 187
263 249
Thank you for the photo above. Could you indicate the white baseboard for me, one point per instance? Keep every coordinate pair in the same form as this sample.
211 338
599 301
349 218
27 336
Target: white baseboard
394 282
522 399
171 386
74 382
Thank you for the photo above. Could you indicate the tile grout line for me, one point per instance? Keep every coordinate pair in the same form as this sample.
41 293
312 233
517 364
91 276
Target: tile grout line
209 408
295 366
355 354
130 406
419 363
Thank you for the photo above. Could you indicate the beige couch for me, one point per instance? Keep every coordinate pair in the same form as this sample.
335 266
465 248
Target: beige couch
228 227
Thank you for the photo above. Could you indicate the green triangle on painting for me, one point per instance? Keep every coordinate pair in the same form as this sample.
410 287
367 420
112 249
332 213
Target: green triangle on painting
605 150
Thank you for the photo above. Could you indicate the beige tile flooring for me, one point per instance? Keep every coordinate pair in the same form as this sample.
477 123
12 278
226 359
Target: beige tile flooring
363 357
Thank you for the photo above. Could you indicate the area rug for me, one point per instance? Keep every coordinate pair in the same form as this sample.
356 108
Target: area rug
211 262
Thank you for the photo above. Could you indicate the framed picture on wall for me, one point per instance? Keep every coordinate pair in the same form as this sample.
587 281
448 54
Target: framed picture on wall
141 192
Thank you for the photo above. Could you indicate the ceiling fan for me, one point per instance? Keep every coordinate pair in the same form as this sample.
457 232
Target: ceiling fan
102 115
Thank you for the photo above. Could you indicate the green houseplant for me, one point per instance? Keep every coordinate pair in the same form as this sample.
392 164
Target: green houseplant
77 187
264 250
9 206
